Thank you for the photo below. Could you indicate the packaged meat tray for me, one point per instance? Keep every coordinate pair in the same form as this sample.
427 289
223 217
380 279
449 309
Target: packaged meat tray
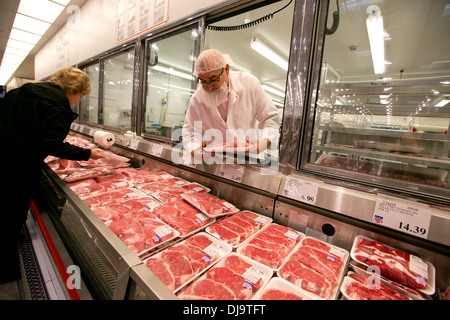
179 264
382 146
394 264
230 147
237 228
234 277
271 246
183 217
361 287
316 267
104 198
280 289
209 204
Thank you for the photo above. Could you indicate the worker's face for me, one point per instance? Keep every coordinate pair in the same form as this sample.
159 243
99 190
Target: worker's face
74 97
213 80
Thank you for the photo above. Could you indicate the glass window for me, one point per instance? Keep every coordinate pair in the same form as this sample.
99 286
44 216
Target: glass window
118 90
383 102
89 103
170 83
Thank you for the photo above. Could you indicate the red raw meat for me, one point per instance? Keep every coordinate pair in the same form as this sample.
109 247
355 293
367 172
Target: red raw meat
360 290
130 232
225 234
239 266
183 225
207 289
306 278
210 204
270 258
169 195
278 294
80 174
199 240
159 268
178 264
199 260
393 264
113 177
155 232
236 283
105 198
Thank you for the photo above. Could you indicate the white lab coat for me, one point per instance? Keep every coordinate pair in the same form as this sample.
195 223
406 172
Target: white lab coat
249 107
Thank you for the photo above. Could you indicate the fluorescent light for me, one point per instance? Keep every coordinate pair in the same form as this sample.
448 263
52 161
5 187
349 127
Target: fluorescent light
43 10
269 53
375 29
30 24
19 45
173 72
24 36
442 103
273 90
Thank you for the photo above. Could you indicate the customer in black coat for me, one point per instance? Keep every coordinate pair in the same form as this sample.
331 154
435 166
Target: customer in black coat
34 121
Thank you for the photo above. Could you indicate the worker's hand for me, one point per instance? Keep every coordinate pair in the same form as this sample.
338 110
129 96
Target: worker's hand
260 145
96 154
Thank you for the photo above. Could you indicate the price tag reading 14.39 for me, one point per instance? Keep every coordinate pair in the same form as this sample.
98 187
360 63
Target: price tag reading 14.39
407 217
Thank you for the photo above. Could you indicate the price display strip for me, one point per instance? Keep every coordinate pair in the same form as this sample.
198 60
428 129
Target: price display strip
405 216
232 172
301 190
157 150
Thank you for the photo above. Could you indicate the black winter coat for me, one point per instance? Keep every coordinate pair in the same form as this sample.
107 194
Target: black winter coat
34 121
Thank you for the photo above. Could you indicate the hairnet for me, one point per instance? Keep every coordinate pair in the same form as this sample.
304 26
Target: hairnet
210 60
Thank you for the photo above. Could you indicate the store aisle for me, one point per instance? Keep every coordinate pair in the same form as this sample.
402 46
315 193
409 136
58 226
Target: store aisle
10 291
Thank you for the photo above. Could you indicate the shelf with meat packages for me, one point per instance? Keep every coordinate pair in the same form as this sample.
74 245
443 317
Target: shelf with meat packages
181 263
210 205
362 287
234 277
271 246
280 289
394 265
237 228
316 267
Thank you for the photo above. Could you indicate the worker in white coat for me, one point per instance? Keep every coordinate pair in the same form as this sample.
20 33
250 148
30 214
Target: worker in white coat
228 105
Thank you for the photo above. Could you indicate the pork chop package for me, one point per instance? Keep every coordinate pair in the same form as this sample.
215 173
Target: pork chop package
271 246
237 228
280 289
209 204
179 264
361 287
316 267
234 277
394 264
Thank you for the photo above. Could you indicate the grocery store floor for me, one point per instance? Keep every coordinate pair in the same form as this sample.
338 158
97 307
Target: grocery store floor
11 290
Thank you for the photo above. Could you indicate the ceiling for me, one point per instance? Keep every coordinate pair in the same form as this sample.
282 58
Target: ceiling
8 9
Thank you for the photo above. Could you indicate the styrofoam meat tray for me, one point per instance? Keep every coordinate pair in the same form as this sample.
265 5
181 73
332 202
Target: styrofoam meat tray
430 288
292 234
261 220
284 285
257 271
233 209
334 251
229 147
220 248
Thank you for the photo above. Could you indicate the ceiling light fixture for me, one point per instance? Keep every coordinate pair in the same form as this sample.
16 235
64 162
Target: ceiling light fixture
32 20
269 53
375 29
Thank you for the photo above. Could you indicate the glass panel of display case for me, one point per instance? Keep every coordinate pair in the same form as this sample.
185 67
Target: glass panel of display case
89 104
118 90
170 82
383 101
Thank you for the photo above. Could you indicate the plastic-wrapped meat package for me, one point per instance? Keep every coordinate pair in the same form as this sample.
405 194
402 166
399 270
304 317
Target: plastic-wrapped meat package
237 228
271 246
209 204
169 195
156 231
130 232
179 264
105 198
361 287
81 173
139 176
394 264
103 187
82 186
316 267
181 216
113 177
110 159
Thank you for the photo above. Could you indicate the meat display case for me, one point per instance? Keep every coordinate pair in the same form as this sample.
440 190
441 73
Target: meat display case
339 213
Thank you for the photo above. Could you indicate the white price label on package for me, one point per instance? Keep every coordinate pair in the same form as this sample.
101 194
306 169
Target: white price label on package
404 216
304 191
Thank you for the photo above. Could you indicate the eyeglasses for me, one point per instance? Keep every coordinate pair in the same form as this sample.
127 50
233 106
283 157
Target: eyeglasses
213 82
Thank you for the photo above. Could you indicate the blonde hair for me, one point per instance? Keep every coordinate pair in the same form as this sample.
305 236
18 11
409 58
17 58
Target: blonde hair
71 80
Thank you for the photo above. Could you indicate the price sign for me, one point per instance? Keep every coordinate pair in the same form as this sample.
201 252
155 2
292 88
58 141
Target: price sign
304 191
133 144
405 216
232 172
157 150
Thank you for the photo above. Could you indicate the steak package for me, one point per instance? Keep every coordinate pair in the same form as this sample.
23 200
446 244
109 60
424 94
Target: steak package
179 264
234 277
316 267
237 228
209 204
280 289
271 246
395 264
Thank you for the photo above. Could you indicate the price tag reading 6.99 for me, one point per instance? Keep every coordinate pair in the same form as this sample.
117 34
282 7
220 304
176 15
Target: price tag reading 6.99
407 217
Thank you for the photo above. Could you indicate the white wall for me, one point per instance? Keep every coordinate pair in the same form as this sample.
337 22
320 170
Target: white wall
95 33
